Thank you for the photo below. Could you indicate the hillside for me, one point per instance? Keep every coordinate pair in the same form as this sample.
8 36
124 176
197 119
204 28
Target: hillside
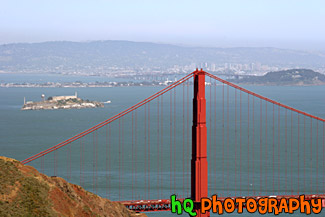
26 192
102 56
287 77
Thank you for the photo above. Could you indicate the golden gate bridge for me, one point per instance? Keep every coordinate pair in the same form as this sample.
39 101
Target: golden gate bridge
218 139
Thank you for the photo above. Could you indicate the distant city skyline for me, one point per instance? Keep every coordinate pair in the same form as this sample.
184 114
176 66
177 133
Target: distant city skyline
233 23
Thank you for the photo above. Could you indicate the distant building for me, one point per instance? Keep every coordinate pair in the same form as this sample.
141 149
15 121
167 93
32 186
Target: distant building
57 98
213 67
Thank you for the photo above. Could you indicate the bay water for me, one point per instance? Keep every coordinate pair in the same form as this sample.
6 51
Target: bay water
24 133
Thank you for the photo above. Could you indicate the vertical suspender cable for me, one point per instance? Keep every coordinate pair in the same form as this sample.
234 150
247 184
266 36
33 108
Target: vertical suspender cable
68 162
266 145
183 116
273 152
253 141
261 126
223 139
106 165
162 142
122 174
135 152
235 142
145 151
215 138
291 153
67 171
248 184
304 154
317 157
132 147
311 155
210 126
83 159
286 150
174 139
119 159
109 159
96 159
148 150
278 149
298 153
80 182
158 153
42 164
240 165
227 139
171 141
94 163
54 162
187 137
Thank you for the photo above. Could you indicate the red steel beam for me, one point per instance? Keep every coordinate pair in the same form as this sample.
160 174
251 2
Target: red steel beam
199 163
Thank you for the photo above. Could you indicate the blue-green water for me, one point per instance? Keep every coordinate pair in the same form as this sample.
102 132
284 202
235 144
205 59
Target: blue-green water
24 133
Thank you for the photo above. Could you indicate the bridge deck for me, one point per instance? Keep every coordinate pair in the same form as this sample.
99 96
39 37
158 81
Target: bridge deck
165 204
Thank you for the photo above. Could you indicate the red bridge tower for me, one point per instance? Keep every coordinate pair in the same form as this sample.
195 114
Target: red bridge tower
199 163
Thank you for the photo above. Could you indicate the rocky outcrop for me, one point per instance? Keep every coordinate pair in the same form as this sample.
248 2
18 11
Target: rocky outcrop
26 192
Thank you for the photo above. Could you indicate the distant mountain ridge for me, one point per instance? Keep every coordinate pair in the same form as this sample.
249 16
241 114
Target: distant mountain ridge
286 77
63 56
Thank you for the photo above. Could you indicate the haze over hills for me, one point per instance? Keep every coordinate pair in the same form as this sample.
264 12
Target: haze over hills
103 57
286 77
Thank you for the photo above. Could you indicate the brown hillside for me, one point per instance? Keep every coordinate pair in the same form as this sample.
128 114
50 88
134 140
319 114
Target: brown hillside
26 192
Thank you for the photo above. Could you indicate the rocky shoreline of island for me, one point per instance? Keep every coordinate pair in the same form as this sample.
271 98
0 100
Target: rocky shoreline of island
61 102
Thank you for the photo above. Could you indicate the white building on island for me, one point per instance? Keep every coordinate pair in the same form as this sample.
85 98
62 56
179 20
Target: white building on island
57 98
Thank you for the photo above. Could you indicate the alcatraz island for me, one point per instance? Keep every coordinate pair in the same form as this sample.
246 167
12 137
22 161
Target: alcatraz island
61 102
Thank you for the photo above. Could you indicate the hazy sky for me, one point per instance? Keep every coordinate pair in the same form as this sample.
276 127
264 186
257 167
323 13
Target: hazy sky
278 23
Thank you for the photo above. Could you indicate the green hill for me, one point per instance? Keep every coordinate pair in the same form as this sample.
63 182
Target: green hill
287 77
